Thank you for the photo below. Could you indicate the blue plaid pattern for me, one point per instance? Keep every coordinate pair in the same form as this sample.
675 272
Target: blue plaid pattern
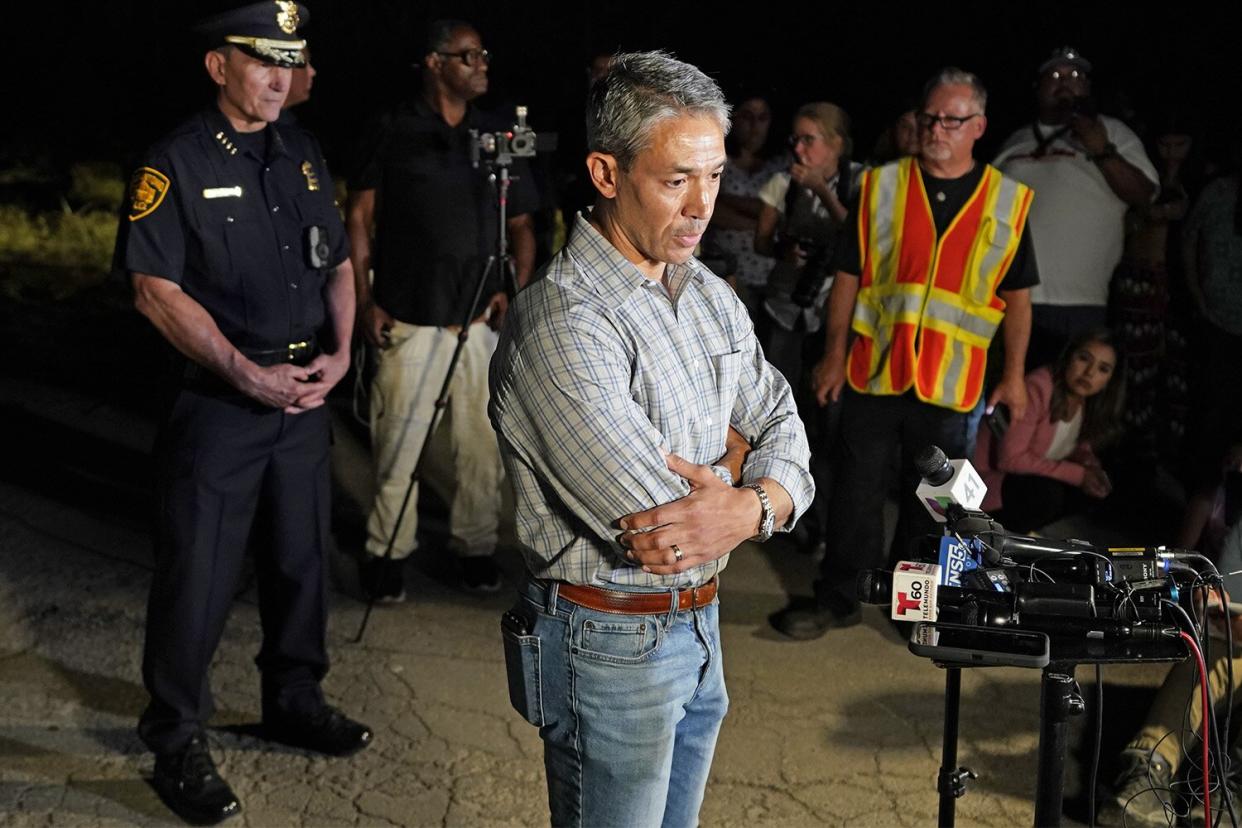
598 369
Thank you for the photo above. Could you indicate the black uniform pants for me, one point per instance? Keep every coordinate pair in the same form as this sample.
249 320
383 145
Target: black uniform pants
872 428
220 459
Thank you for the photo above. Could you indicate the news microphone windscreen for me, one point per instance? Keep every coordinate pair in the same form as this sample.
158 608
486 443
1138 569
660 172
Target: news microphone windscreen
875 586
933 466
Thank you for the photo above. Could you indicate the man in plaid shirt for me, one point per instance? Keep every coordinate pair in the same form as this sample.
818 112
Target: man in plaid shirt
627 379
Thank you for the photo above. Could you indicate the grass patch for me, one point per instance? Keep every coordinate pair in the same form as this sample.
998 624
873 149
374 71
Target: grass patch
54 254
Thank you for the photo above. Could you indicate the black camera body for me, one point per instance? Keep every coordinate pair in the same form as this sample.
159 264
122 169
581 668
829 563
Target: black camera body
519 141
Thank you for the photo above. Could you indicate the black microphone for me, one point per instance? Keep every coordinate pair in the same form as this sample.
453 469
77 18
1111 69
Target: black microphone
933 466
1021 547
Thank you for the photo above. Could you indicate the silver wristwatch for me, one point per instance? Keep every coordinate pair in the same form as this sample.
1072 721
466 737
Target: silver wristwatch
767 521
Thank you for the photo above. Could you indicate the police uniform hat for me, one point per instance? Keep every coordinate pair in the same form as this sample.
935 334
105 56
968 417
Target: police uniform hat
267 31
1063 55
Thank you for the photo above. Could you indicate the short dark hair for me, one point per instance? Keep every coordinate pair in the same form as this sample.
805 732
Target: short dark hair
440 32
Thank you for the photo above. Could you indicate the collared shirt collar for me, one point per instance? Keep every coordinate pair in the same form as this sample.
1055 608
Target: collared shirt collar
225 136
419 106
615 277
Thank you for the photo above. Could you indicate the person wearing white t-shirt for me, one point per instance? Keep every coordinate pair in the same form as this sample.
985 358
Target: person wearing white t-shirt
1086 170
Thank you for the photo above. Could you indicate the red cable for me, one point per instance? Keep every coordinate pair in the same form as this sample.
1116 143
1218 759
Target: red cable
1207 796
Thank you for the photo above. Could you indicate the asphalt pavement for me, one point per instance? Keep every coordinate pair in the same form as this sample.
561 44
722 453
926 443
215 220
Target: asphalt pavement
845 730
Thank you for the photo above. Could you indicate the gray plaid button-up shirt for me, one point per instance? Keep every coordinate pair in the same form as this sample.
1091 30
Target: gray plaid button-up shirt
598 371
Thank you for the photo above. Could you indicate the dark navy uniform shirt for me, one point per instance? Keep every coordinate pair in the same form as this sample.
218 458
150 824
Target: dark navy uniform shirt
227 217
436 217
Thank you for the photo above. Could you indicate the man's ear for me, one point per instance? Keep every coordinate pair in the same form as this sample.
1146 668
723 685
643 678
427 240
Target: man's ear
432 63
214 60
603 170
982 125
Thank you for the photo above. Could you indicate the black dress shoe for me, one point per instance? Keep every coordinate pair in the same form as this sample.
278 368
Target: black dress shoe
382 579
480 575
806 620
188 783
326 731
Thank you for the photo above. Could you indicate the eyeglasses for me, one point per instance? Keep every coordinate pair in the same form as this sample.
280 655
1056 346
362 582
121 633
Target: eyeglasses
802 140
470 57
926 120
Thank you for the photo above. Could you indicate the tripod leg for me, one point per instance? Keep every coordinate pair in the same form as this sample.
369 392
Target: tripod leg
441 401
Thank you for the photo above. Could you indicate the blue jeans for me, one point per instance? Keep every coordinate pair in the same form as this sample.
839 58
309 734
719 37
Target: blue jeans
628 707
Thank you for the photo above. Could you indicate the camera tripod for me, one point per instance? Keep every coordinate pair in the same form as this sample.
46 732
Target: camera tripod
499 176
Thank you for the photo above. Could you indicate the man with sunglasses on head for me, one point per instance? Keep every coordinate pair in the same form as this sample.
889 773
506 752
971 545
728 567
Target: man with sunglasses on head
424 218
939 262
1088 170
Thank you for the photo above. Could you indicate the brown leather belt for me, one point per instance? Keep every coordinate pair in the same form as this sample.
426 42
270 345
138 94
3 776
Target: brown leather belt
637 603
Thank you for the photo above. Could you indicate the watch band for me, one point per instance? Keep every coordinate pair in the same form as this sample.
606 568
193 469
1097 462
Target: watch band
767 519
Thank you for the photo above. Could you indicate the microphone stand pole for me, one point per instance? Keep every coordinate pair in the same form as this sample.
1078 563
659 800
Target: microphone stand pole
951 781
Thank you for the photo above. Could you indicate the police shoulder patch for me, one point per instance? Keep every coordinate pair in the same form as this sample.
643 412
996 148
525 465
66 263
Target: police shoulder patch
146 192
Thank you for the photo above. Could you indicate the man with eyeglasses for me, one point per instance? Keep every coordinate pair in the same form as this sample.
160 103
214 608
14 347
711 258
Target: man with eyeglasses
940 262
425 220
1087 171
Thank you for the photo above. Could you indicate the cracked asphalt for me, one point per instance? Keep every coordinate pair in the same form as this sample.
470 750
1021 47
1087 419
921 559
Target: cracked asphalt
841 731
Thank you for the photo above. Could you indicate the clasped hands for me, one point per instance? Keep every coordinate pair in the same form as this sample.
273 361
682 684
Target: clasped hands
295 389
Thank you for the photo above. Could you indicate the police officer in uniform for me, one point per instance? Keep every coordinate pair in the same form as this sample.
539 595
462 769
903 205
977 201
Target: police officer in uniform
238 257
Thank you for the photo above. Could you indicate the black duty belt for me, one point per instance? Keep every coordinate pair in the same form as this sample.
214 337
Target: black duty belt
294 353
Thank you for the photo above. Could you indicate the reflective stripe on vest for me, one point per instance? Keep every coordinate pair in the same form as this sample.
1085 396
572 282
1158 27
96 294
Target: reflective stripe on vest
927 307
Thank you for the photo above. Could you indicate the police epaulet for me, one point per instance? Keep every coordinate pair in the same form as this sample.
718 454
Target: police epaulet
224 141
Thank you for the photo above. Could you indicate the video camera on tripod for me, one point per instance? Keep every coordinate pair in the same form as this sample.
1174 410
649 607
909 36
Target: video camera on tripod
519 141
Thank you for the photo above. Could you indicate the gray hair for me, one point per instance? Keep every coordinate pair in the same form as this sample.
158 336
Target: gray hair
640 90
952 76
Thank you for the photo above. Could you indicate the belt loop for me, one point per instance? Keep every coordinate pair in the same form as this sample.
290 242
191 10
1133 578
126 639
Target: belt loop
674 594
550 595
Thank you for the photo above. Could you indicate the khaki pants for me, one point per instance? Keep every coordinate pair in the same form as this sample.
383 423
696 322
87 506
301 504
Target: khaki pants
1168 727
409 376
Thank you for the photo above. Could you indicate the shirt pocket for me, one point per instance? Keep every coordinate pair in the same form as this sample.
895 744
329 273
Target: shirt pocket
221 233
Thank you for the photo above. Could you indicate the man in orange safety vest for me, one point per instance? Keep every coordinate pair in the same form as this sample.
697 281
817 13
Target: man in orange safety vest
940 261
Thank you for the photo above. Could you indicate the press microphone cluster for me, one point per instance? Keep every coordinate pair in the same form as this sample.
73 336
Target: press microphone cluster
985 576
914 591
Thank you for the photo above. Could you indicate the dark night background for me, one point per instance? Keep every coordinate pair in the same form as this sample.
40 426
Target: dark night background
102 80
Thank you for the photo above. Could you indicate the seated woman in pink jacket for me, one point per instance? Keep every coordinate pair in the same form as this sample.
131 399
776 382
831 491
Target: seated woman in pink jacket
1074 409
